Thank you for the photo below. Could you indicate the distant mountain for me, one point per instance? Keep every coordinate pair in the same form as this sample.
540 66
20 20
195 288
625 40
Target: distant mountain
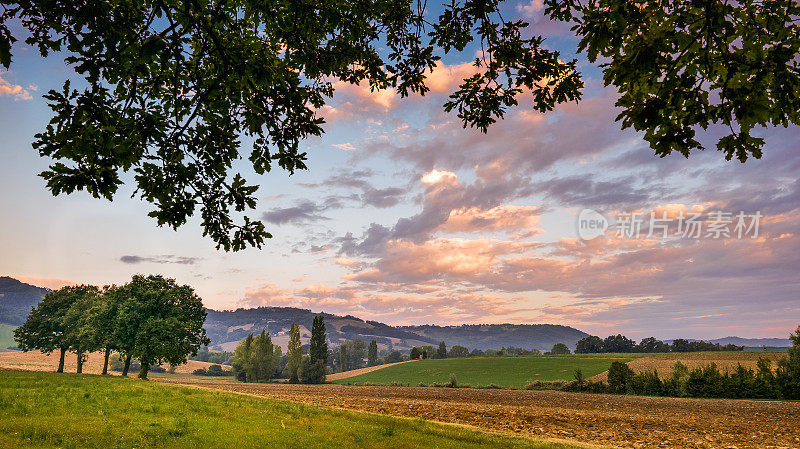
739 341
227 328
17 299
496 336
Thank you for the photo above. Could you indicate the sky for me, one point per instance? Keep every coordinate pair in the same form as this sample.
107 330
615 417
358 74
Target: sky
404 217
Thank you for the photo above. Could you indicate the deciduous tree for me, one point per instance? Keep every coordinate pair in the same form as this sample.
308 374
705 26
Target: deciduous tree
80 333
441 352
458 351
589 345
159 321
170 89
45 329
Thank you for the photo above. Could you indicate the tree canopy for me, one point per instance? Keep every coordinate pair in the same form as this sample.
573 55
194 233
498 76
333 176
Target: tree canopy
165 321
684 65
48 326
171 89
151 318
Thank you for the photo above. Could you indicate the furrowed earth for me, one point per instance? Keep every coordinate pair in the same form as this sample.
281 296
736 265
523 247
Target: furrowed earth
623 421
606 420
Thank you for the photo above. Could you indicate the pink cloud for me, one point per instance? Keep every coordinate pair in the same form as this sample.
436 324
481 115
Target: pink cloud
14 90
52 284
503 217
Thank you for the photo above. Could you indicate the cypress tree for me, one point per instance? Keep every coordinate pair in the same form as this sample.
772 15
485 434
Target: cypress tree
372 353
294 353
318 349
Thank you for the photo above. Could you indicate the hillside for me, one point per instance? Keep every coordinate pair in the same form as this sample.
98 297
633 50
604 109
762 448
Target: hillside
17 299
227 328
739 341
496 336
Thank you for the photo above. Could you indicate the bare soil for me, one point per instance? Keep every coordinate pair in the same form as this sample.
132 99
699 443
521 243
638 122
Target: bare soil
623 421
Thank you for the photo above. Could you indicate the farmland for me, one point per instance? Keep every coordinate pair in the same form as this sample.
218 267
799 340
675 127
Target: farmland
617 420
6 336
72 411
724 360
508 372
36 361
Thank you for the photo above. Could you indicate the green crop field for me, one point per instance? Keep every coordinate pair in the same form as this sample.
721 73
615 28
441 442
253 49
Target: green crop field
6 336
91 411
509 372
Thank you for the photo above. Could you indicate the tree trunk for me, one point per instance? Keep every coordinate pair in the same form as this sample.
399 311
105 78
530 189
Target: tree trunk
144 370
105 361
127 365
80 363
61 360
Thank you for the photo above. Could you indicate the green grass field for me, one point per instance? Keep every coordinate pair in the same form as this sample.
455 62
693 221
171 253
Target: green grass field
7 336
509 372
90 411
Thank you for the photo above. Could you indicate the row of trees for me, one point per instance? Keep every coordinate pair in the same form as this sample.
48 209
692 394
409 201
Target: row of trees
151 318
351 353
457 351
428 352
764 382
257 359
620 343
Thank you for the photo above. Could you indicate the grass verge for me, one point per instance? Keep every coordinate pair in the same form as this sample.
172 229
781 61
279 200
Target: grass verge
90 411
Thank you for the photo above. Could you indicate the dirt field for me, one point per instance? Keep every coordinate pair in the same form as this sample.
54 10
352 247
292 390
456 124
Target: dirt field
724 361
624 421
36 361
356 372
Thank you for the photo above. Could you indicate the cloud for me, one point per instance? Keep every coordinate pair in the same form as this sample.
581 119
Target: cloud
346 262
443 195
171 259
531 9
382 198
52 284
498 218
302 211
14 90
347 146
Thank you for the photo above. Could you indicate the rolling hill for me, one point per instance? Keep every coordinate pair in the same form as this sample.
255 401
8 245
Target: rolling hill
496 336
227 328
17 299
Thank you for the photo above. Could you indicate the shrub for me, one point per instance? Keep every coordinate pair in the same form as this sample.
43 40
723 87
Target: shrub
312 372
545 385
453 383
647 384
619 375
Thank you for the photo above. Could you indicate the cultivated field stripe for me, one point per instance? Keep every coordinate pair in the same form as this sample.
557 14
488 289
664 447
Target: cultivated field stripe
356 372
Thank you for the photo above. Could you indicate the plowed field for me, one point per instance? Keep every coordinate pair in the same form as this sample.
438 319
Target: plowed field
625 421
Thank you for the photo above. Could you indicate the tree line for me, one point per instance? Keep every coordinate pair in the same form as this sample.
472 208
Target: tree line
151 318
257 359
620 343
763 382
